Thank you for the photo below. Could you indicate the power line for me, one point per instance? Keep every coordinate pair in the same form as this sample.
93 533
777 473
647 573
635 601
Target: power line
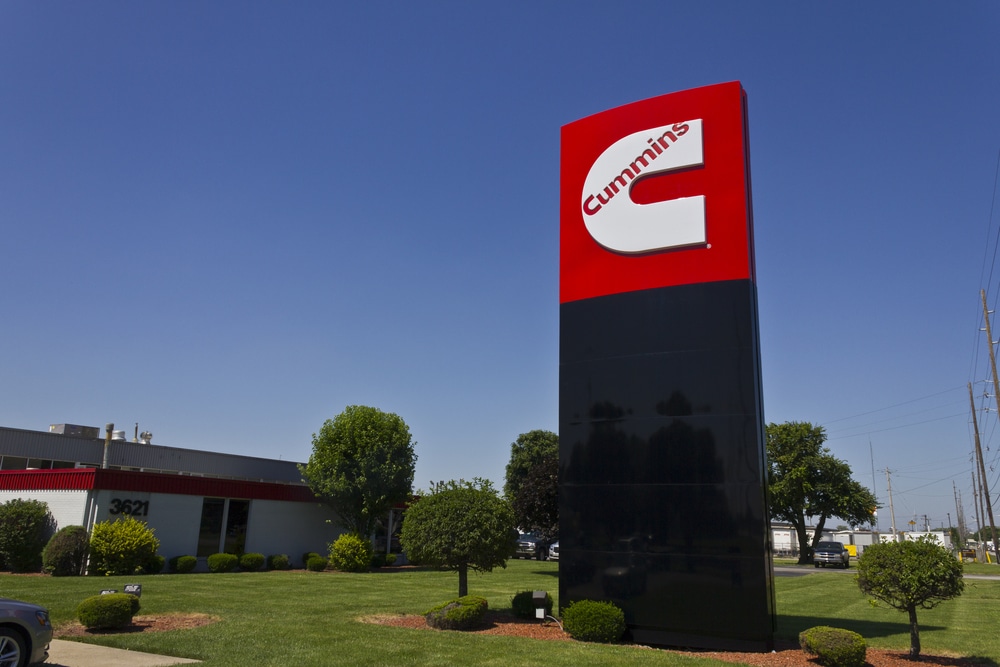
908 414
893 428
862 414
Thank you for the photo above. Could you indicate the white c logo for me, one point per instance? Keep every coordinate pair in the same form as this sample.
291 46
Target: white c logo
617 222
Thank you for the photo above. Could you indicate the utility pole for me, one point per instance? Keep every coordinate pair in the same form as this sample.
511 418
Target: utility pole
996 395
892 512
958 513
977 505
975 430
871 453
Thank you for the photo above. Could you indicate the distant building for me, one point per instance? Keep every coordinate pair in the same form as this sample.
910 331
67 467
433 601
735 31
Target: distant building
197 502
785 542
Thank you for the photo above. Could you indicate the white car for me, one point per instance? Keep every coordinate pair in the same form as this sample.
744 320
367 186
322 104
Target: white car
25 633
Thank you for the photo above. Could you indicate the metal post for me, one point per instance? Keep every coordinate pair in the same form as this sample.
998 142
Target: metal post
108 428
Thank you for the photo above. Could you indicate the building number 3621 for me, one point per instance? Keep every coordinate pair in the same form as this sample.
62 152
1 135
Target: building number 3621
131 507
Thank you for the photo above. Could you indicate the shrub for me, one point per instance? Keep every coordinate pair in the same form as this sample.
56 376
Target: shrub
593 621
25 527
183 564
316 564
66 553
154 565
307 555
223 562
834 647
382 560
278 562
107 612
523 605
251 562
121 547
351 553
463 613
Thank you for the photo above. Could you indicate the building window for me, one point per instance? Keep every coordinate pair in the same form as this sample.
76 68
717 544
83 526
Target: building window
212 510
13 463
236 526
219 512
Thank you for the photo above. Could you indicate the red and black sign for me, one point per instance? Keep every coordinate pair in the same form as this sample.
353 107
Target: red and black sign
662 493
708 126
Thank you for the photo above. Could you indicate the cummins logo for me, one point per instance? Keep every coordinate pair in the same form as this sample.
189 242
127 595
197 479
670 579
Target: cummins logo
615 221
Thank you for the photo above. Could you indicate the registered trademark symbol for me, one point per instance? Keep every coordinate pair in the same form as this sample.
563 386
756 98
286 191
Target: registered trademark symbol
709 245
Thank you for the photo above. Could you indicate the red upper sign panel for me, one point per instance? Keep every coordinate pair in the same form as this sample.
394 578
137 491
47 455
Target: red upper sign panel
656 193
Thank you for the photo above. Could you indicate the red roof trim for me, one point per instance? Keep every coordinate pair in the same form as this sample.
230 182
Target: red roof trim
82 479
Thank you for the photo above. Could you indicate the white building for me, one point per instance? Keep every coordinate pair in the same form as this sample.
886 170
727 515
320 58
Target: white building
198 503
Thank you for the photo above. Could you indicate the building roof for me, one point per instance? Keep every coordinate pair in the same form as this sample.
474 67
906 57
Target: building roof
89 452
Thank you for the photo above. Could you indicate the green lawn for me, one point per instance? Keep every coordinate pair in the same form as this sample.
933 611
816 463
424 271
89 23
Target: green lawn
303 618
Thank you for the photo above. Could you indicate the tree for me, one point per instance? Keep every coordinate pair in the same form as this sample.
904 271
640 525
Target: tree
536 504
806 480
460 526
361 465
910 575
539 510
25 528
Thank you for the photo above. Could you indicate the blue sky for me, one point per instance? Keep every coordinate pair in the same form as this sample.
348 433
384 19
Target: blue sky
227 221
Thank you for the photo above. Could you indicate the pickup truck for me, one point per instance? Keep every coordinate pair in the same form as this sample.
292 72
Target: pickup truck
831 553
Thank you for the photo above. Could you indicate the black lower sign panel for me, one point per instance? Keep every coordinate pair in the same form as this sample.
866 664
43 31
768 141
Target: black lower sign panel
662 466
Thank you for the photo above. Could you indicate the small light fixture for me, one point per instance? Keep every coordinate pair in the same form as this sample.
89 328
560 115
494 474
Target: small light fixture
538 599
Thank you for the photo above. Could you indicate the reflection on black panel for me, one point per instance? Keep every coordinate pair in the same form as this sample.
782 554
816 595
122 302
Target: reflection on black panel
662 503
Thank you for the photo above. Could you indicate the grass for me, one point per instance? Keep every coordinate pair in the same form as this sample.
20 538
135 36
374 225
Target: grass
963 626
304 618
982 568
969 568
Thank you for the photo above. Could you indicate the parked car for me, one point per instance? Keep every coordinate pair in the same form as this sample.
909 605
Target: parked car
25 633
554 550
531 547
831 553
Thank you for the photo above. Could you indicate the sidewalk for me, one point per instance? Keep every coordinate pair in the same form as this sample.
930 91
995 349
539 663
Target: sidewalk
64 653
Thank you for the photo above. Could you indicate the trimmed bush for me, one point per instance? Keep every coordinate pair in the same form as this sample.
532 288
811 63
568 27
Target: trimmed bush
223 562
25 528
309 554
316 564
463 613
278 562
382 560
251 562
66 553
182 564
593 621
108 612
122 547
834 647
524 607
351 553
154 565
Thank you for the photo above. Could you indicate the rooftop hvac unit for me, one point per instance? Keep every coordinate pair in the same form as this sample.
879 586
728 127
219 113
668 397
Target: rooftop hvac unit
92 432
